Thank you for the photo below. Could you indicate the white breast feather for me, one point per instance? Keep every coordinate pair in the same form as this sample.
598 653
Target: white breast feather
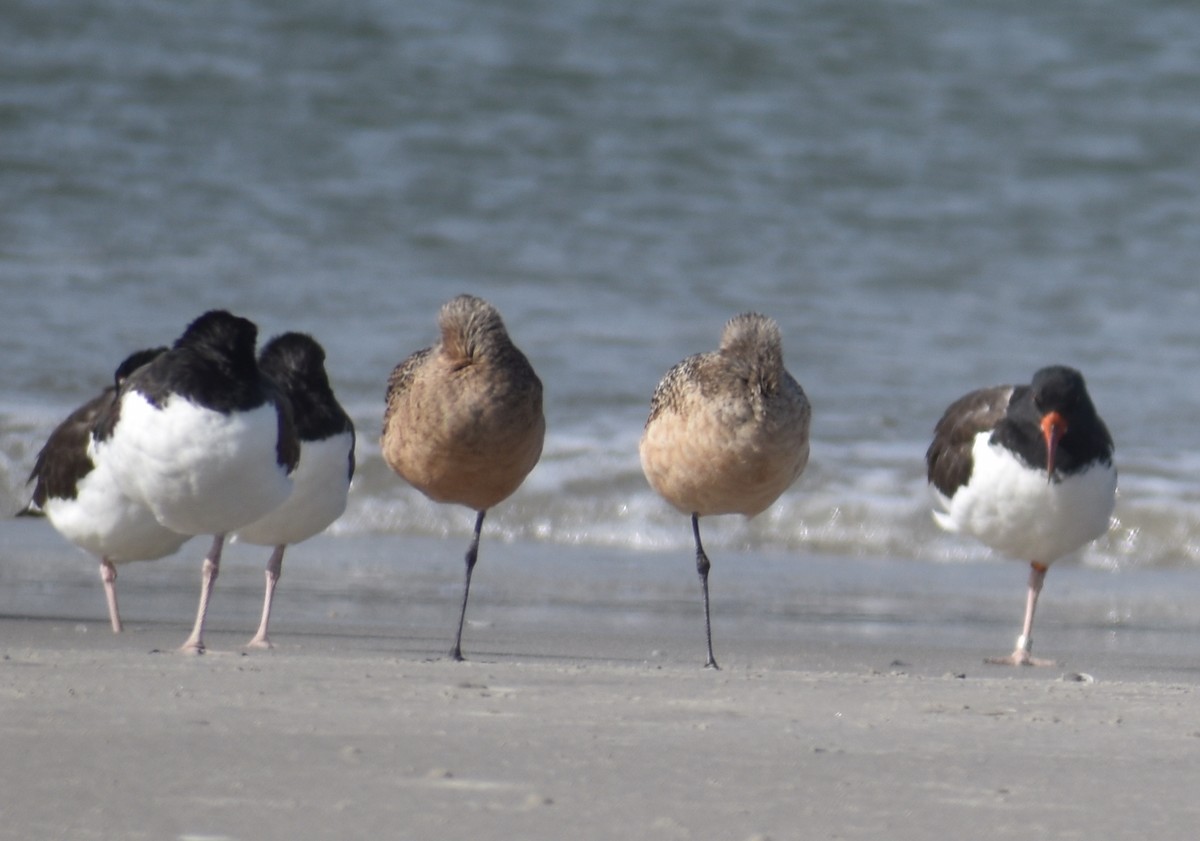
104 521
1014 510
320 485
199 471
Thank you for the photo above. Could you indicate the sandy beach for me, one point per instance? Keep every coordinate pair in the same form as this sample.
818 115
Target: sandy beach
926 197
598 723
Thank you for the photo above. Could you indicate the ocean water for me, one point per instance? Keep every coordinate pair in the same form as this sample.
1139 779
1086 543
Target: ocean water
929 196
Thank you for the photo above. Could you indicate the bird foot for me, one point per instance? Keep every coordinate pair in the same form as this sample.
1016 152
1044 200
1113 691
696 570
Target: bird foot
259 642
1020 657
194 647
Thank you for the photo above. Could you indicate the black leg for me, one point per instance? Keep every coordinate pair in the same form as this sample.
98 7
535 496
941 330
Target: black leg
472 556
702 567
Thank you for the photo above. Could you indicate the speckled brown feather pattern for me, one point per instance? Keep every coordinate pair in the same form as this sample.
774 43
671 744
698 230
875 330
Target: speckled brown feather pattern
464 421
728 429
399 382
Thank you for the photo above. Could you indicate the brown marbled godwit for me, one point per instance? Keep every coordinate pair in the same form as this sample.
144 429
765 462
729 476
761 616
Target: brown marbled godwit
321 482
82 501
201 438
727 432
1028 471
464 421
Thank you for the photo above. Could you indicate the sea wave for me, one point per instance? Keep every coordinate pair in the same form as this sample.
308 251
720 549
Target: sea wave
854 500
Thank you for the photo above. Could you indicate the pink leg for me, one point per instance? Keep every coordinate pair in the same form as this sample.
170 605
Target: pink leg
274 569
209 572
1021 656
108 574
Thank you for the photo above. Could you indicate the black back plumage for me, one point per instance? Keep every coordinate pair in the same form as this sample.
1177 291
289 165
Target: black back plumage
948 460
211 365
1013 415
64 461
296 363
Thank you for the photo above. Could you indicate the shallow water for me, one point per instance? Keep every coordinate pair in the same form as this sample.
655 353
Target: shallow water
770 609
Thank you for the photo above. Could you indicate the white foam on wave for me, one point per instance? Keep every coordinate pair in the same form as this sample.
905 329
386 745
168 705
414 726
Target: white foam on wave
856 499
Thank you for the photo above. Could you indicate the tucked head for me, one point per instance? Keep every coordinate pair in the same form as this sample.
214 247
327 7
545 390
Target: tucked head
220 334
291 355
755 340
211 364
295 362
751 333
470 325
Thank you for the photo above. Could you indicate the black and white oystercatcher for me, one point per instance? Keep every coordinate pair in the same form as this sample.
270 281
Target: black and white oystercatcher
81 498
1027 470
727 432
463 421
321 481
202 438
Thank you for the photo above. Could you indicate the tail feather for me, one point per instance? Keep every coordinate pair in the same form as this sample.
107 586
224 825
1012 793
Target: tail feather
31 509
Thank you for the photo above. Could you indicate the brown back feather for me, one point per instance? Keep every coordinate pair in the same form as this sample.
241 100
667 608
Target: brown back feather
948 459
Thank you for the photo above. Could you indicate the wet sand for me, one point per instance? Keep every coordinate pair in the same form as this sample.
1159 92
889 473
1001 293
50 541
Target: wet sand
591 720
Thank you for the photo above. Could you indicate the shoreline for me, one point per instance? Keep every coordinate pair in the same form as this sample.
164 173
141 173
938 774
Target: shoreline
775 609
583 707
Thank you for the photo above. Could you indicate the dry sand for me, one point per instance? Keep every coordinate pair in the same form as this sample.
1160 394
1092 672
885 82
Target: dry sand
583 732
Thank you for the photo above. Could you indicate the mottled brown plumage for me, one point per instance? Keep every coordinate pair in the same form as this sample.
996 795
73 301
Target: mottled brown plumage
728 431
463 422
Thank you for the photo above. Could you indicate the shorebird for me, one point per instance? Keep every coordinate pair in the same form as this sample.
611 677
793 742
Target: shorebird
321 481
81 498
727 432
464 421
201 438
1027 470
